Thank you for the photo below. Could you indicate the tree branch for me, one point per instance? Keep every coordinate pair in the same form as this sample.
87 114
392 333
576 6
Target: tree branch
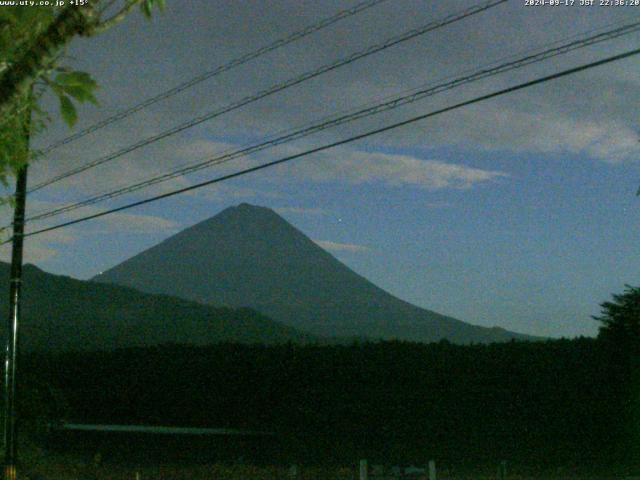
18 77
117 18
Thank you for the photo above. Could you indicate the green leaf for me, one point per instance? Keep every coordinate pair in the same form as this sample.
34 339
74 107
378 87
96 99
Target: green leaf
146 6
80 94
68 110
57 89
79 85
76 79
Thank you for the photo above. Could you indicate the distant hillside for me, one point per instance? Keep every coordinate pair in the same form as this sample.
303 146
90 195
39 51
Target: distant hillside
248 256
61 313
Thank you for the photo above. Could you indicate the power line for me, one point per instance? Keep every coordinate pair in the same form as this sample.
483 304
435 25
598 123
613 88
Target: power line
308 30
362 113
345 141
394 103
408 35
531 55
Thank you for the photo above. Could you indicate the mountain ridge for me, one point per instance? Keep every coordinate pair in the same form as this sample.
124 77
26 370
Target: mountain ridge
60 313
250 256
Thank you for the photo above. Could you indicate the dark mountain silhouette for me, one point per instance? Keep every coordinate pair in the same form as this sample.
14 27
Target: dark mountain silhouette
248 256
61 313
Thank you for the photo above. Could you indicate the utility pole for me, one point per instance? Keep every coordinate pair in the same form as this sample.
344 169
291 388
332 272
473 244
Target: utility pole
11 350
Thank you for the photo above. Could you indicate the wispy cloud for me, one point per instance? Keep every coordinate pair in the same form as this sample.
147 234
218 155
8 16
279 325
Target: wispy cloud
342 247
132 223
46 245
115 222
357 167
40 248
611 140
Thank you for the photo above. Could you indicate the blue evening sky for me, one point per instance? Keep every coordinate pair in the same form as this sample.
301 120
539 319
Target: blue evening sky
519 213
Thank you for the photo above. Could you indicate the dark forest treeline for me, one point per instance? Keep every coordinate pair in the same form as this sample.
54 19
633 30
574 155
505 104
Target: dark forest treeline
566 403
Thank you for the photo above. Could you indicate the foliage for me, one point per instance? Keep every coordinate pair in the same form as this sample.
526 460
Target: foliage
620 319
32 44
19 27
620 335
72 84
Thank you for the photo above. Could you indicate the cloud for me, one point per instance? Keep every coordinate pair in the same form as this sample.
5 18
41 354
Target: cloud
39 248
593 114
132 223
550 132
222 192
44 246
342 247
342 165
147 163
356 167
120 222
138 166
34 252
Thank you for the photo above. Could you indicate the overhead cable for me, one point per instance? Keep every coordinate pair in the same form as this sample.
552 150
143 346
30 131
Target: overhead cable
350 117
408 35
308 30
361 136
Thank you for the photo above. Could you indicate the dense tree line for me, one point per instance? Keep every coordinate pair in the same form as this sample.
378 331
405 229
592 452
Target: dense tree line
563 403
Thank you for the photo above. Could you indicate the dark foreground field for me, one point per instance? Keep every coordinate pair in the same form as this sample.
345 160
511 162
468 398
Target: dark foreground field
557 409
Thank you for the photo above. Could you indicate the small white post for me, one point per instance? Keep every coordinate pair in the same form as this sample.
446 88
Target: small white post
137 475
432 470
293 472
363 470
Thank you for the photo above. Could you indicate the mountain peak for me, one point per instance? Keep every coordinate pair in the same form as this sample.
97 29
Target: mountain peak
249 256
247 208
245 212
244 226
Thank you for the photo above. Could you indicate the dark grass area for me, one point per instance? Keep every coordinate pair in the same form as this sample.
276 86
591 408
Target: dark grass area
565 408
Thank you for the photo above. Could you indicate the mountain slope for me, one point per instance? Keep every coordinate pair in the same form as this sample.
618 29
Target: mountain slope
249 256
61 313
